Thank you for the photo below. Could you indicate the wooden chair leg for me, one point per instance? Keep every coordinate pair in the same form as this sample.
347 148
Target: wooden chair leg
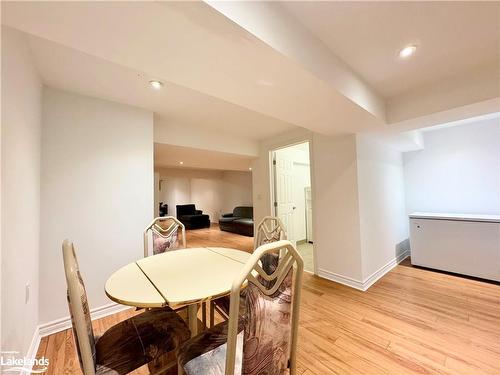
193 319
204 315
212 314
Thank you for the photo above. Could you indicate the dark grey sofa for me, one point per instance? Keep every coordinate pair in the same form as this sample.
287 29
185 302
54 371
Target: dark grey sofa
239 221
191 217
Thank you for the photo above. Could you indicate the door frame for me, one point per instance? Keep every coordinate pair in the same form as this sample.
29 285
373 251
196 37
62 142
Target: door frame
275 205
272 186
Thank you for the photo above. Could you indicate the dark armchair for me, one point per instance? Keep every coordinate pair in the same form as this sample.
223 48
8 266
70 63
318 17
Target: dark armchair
191 217
239 221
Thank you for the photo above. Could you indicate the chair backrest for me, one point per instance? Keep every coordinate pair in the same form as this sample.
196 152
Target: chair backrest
79 311
272 312
270 229
164 231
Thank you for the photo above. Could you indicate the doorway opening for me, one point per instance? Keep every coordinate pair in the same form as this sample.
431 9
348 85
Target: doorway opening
292 198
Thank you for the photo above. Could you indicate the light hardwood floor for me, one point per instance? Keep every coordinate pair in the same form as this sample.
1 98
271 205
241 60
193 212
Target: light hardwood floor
412 321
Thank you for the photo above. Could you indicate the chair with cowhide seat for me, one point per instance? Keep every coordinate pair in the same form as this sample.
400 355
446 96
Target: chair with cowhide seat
151 337
164 232
270 229
264 340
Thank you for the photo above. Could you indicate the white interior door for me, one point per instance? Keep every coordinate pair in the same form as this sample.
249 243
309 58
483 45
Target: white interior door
284 199
309 232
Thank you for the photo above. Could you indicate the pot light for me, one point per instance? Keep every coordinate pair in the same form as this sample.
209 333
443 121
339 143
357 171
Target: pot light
250 168
407 51
181 162
157 85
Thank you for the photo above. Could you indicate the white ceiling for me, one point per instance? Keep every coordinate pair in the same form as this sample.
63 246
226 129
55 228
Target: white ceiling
222 77
453 37
69 69
171 156
192 45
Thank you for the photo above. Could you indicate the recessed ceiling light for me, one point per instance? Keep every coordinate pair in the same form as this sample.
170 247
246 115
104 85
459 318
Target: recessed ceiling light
407 51
250 168
181 162
156 84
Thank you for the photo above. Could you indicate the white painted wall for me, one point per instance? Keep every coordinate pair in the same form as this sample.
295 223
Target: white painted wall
359 216
383 220
156 195
336 217
97 190
458 171
214 192
207 195
336 226
201 138
184 186
20 171
237 188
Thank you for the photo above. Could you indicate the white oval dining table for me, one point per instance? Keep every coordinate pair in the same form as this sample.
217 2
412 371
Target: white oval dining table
184 277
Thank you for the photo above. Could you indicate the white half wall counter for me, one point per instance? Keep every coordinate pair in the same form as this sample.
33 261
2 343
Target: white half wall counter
467 244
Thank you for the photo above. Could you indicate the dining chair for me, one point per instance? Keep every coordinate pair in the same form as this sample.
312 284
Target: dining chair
165 234
151 337
270 229
265 340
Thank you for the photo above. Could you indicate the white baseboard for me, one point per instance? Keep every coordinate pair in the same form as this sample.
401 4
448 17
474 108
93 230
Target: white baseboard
341 279
33 349
65 323
372 279
363 285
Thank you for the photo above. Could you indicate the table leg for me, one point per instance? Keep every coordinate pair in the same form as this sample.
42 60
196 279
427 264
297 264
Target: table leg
193 319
